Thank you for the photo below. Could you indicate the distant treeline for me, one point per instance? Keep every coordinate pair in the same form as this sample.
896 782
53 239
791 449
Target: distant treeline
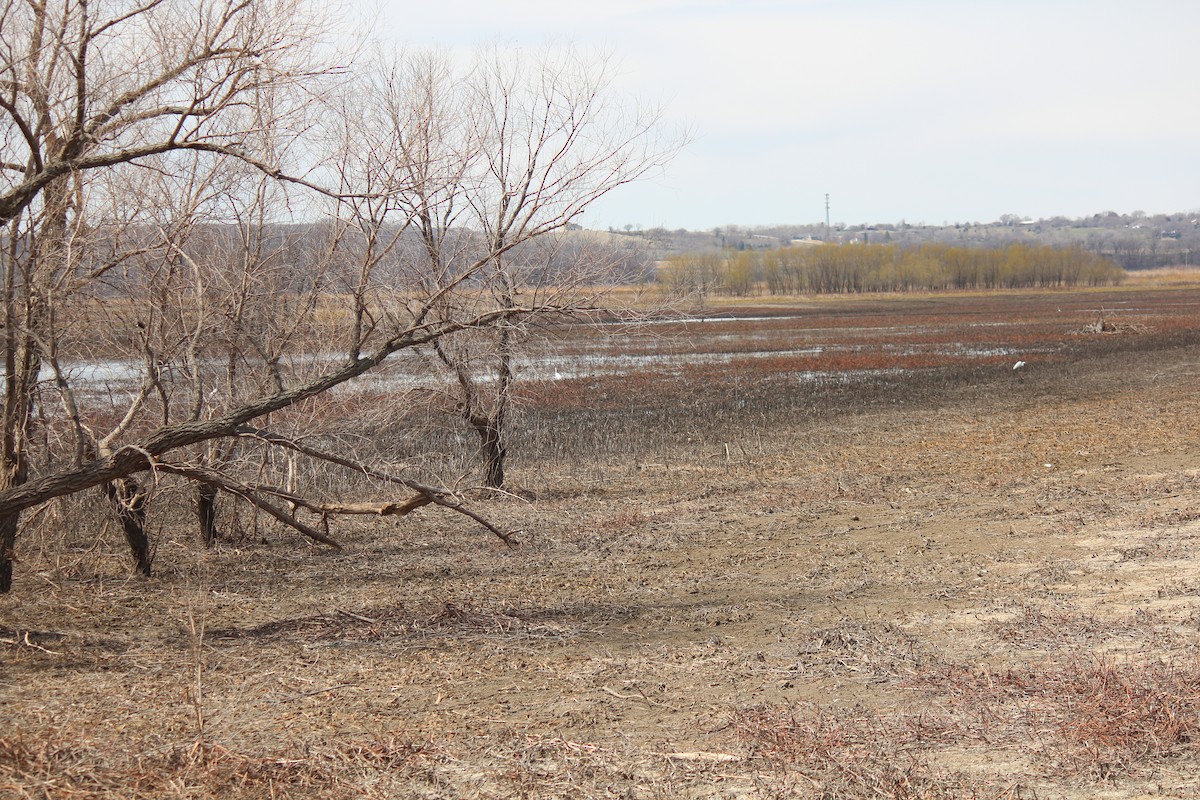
848 268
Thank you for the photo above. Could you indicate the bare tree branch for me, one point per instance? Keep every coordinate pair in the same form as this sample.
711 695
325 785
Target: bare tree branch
136 457
248 493
427 494
155 159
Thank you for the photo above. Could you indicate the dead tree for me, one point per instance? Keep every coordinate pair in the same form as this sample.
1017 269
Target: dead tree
503 157
147 176
86 91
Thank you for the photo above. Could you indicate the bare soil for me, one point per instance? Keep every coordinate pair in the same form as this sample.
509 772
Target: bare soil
987 590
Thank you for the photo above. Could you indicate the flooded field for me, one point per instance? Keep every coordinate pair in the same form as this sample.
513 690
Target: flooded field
891 330
619 387
883 331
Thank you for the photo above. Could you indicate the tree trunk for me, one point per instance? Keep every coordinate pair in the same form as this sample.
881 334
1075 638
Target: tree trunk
129 502
206 510
8 539
13 465
493 450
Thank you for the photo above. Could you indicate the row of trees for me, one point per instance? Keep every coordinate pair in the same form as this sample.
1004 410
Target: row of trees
1132 241
155 159
819 269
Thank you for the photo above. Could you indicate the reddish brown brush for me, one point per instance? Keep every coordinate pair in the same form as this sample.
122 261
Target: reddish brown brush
83 771
856 754
1095 718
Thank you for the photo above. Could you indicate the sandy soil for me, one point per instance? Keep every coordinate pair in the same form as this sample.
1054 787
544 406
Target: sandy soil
990 595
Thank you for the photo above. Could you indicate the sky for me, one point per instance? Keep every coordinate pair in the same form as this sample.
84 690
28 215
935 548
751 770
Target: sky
926 111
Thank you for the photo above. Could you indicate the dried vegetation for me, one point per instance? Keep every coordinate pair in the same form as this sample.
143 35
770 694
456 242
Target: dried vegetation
951 583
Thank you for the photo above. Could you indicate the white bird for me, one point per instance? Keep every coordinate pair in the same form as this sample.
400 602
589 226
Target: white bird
1018 365
557 375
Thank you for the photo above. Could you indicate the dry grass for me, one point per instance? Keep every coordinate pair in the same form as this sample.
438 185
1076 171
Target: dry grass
1095 722
1163 276
727 588
857 754
89 770
1097 719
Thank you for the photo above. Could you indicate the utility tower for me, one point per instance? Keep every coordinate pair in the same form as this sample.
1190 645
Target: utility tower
828 238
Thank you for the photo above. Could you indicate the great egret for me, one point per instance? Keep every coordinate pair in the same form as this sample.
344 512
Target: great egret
1018 365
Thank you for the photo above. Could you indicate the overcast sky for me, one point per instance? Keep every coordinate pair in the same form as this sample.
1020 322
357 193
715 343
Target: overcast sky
921 110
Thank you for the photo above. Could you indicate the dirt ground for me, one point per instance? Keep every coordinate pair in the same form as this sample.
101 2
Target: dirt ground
990 594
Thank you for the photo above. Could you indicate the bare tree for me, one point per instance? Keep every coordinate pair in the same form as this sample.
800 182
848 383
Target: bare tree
89 87
149 211
504 155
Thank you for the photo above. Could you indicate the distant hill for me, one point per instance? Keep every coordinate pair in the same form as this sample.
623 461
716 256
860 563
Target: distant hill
1134 241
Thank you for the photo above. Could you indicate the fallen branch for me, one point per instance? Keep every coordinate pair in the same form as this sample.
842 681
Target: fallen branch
716 758
247 493
385 509
140 455
427 494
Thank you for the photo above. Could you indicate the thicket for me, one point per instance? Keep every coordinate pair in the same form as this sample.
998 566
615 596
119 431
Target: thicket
211 218
850 268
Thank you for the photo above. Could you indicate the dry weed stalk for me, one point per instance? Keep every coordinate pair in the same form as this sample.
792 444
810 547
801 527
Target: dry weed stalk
1097 720
195 691
855 753
367 768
